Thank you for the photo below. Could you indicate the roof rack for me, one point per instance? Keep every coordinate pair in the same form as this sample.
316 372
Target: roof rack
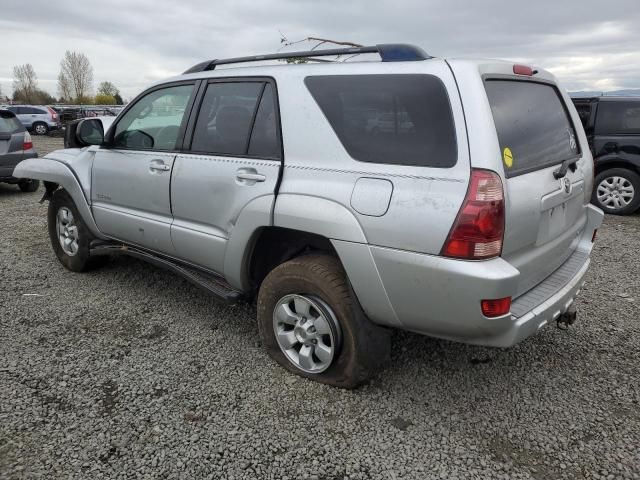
389 52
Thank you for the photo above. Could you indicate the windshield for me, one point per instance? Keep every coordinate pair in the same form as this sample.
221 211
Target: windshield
533 126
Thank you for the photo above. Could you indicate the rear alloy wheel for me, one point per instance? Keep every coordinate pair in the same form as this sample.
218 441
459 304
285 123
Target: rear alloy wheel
307 332
311 323
40 128
617 191
29 186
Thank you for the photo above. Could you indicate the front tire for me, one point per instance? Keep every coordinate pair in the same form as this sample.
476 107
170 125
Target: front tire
40 128
617 191
29 186
312 325
69 236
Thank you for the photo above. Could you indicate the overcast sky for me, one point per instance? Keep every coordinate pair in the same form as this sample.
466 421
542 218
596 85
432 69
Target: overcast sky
588 44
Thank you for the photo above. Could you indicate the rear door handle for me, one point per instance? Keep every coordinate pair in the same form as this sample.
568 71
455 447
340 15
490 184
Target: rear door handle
250 175
159 165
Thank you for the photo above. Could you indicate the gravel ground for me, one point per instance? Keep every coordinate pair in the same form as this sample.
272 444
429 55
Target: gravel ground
128 371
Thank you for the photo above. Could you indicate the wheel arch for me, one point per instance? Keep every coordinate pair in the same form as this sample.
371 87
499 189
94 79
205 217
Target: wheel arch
58 175
613 161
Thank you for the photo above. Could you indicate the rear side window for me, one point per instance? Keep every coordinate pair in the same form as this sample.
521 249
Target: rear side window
264 137
618 118
9 123
533 125
392 119
237 119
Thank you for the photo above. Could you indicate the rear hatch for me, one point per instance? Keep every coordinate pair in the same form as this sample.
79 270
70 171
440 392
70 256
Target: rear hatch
528 129
546 201
11 139
10 129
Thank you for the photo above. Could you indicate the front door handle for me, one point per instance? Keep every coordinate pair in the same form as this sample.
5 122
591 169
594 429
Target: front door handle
159 165
249 176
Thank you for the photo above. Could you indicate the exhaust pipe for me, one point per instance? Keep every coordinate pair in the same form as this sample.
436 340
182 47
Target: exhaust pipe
567 318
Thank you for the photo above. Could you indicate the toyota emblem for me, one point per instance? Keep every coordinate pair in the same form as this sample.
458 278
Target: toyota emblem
565 184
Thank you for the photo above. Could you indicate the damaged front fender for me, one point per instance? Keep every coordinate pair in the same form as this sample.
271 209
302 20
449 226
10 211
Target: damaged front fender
56 172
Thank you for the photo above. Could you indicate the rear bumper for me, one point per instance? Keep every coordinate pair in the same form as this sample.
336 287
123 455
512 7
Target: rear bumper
6 171
441 297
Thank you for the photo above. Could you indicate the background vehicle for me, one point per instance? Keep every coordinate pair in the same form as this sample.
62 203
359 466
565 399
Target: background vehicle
267 182
37 119
15 146
612 125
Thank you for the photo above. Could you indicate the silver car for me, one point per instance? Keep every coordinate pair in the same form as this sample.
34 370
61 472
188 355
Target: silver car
467 219
36 118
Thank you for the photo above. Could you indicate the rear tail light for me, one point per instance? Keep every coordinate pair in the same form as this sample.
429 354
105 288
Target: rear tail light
496 308
27 143
479 228
54 114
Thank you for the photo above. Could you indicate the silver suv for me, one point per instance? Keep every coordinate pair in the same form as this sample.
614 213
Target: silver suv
467 217
36 118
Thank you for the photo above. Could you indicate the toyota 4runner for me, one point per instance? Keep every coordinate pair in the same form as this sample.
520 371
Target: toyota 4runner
466 217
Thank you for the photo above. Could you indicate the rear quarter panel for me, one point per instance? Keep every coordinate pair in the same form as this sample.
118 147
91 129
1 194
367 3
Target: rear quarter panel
423 201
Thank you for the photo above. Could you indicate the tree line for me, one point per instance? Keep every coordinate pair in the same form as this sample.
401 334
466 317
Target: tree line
75 84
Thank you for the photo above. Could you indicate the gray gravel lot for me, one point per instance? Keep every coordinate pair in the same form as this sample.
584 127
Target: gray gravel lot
130 372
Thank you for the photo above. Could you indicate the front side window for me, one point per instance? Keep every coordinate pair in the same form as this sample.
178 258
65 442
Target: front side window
391 119
153 123
618 118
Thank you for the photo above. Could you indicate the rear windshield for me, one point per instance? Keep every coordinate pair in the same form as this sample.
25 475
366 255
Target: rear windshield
9 123
533 126
618 118
392 119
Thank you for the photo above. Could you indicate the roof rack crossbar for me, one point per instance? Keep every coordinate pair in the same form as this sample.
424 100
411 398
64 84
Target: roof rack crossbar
388 53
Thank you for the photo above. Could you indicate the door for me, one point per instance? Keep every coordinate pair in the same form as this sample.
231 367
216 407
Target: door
617 128
234 156
131 175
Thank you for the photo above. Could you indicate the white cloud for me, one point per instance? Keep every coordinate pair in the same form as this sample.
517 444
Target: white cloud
136 42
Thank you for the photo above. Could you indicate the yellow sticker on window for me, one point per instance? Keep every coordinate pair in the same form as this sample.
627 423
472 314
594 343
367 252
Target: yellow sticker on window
507 156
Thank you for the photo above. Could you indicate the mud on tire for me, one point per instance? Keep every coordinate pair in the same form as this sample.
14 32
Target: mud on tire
364 346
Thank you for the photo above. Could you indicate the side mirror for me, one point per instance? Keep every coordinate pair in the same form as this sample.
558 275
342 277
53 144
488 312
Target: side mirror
90 132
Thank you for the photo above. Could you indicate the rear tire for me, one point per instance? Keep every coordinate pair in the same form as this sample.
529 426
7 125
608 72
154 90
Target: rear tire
70 237
29 186
40 128
617 191
358 347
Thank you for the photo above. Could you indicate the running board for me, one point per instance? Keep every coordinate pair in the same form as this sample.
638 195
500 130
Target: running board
210 282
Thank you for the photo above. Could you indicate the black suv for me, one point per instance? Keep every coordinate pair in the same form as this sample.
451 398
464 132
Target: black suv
612 125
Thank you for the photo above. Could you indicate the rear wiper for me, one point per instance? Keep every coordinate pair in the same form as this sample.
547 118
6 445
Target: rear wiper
570 163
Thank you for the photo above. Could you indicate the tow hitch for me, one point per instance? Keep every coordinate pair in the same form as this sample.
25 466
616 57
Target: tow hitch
567 318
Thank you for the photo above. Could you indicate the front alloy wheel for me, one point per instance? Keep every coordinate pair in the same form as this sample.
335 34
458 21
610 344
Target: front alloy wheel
307 332
70 238
67 231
